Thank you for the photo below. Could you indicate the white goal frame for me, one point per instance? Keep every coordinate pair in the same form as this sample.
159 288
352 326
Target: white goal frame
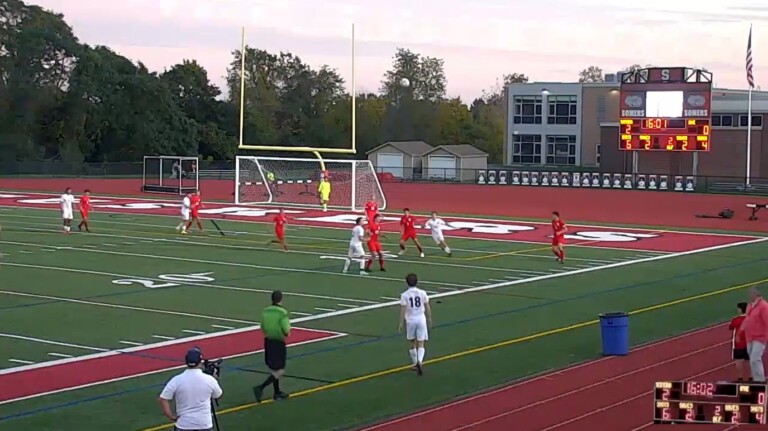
321 165
161 184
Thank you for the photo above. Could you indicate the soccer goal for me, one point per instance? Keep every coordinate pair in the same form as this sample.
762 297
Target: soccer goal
170 174
293 182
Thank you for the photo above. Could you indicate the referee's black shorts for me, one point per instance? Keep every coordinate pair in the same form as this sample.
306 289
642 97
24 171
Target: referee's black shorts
275 354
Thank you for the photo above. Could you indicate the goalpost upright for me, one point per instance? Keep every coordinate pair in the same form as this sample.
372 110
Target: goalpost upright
258 179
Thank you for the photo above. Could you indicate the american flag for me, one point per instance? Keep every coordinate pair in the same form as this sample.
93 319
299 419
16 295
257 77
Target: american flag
750 77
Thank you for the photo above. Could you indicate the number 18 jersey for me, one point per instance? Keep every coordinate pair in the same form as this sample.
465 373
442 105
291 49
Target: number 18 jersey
415 300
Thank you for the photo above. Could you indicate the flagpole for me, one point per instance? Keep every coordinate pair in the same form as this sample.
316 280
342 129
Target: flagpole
749 135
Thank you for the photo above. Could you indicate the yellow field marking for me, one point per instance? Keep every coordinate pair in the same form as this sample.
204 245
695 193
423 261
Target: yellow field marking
476 350
529 250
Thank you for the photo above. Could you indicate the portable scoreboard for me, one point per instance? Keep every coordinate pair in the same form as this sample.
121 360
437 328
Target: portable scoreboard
707 403
665 109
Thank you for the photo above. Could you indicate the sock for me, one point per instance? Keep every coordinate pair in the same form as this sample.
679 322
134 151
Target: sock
268 382
556 253
448 250
562 254
413 356
420 250
368 263
325 207
362 264
180 225
347 262
381 261
402 247
420 354
276 385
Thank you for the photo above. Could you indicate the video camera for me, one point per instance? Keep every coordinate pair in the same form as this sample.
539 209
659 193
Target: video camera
212 368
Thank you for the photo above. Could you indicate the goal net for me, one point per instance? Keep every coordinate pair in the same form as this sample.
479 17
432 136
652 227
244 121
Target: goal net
170 174
293 182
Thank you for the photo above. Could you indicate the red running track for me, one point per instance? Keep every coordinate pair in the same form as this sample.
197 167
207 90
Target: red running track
611 394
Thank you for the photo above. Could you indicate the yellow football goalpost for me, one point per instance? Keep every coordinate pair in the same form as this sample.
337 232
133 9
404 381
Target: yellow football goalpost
288 181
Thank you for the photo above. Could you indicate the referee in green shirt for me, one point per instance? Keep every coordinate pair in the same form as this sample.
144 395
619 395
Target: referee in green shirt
275 326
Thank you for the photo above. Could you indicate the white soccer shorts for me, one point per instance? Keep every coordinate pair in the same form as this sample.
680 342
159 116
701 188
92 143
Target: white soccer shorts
66 214
356 250
438 237
185 215
416 330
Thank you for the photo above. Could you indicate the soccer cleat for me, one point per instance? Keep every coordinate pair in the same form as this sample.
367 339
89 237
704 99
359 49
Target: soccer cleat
419 369
280 396
382 270
258 392
422 254
363 272
401 252
450 254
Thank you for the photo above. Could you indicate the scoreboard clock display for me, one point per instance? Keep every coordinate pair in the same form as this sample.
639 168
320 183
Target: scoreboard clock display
665 109
707 403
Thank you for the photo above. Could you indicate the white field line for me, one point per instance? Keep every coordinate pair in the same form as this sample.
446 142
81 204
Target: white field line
338 252
191 331
216 286
130 343
234 264
52 342
163 337
125 307
59 355
518 241
21 361
487 219
298 313
380 305
222 327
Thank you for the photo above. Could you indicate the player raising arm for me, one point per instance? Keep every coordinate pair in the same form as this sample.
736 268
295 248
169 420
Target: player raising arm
324 192
436 225
85 207
374 246
67 201
185 205
417 315
558 236
356 247
408 227
280 221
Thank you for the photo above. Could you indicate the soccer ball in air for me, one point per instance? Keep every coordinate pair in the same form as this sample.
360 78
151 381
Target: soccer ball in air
405 82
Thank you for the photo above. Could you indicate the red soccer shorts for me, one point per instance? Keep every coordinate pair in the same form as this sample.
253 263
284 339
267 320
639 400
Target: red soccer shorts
408 235
280 234
374 247
194 214
83 214
558 240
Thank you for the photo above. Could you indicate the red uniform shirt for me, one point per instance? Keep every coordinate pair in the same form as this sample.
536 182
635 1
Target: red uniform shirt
371 208
194 203
373 232
738 339
85 204
557 228
408 223
280 221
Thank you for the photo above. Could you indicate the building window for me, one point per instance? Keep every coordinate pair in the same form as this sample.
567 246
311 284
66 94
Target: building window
561 109
526 149
597 154
716 121
561 150
527 110
757 120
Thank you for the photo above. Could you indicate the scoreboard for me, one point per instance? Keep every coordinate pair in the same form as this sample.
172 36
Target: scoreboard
665 109
707 403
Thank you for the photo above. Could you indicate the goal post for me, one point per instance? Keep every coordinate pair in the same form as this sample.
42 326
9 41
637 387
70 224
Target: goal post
170 174
294 181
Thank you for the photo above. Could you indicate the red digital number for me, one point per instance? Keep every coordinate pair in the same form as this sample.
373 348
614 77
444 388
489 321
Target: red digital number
735 418
704 145
655 123
761 398
670 143
647 145
685 145
665 395
705 130
705 389
628 129
665 414
760 418
689 415
718 411
628 144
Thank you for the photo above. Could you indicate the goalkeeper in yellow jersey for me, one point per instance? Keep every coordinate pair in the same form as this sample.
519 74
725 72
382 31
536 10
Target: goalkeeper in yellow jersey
324 192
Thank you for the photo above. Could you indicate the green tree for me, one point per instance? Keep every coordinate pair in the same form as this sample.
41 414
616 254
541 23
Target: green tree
591 74
413 76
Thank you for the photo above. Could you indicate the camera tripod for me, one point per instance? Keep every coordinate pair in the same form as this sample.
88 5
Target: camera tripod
214 404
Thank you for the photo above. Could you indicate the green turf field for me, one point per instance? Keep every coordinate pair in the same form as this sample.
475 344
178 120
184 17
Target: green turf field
79 294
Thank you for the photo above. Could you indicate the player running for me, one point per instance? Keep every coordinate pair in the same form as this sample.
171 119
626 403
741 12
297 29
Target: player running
67 201
371 211
185 205
85 207
436 225
195 203
408 228
324 192
280 221
356 247
374 246
417 315
558 236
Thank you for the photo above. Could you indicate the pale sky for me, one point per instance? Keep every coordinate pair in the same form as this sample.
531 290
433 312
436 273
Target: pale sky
480 40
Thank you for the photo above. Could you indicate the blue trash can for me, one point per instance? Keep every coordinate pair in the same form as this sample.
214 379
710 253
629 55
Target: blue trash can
614 331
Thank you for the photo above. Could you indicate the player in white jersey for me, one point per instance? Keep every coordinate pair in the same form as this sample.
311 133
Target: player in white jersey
417 315
436 225
67 201
185 209
356 251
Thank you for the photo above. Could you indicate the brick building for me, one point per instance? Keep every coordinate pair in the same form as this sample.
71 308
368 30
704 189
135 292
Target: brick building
576 124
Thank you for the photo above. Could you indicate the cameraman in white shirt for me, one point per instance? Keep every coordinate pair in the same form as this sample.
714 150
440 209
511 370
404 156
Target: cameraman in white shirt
193 392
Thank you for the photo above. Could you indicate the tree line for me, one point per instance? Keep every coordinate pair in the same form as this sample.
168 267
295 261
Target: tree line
62 100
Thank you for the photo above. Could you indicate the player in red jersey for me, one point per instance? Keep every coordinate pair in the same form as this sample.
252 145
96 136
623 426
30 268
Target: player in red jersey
408 227
280 221
371 210
374 246
558 236
85 207
194 206
739 344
